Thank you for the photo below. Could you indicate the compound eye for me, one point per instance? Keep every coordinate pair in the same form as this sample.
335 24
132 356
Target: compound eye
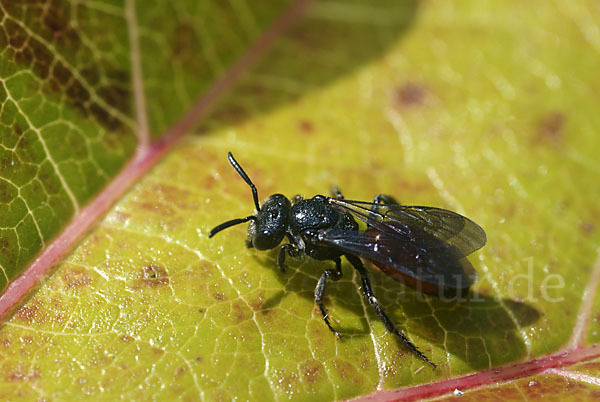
265 240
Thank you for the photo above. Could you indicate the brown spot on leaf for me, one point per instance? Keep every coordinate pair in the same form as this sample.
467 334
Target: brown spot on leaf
61 74
550 128
152 276
16 36
156 207
230 113
31 313
180 371
8 250
287 381
27 340
6 342
256 304
115 95
240 311
56 24
183 40
410 94
79 95
306 127
8 192
49 180
126 338
219 296
91 75
255 89
103 117
17 130
75 278
587 227
43 59
366 362
204 271
23 375
343 368
312 371
208 182
26 148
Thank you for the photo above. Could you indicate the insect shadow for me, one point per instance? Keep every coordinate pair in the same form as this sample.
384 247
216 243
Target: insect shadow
481 330
321 47
424 246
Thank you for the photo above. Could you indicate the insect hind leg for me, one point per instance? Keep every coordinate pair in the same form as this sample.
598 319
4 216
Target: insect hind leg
335 275
372 300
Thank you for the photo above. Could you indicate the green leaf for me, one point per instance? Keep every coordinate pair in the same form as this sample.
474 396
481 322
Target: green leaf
68 122
487 109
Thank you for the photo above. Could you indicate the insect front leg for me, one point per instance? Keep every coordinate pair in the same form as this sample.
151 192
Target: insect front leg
335 275
291 250
372 300
335 191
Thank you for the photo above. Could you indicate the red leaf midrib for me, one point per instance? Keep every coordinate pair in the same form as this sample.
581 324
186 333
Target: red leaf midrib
489 377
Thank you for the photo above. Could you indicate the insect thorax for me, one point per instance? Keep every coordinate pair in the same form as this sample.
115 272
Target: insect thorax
314 215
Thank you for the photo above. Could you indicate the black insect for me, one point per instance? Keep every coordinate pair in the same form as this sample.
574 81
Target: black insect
423 246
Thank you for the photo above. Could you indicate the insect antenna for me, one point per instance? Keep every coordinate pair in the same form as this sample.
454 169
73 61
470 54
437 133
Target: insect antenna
237 221
244 176
229 224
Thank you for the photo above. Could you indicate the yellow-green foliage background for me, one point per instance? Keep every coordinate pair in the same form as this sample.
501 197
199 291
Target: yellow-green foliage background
487 108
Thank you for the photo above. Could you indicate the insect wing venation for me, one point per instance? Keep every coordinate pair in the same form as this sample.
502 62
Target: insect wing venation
414 221
426 244
440 266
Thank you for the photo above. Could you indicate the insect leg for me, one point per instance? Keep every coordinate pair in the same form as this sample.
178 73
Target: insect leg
320 291
290 250
337 193
385 199
381 199
389 324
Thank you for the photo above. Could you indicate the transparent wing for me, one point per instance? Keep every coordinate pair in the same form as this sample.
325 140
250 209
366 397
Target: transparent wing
428 260
415 222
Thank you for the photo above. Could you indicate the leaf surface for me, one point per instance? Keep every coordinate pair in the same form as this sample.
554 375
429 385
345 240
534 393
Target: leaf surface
71 116
474 107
